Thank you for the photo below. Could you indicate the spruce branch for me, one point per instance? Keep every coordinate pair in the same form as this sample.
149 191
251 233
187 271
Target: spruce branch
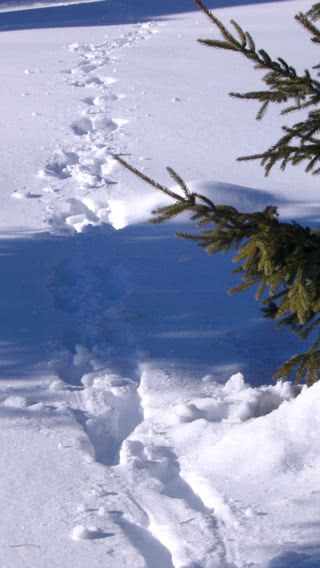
145 178
314 12
308 20
305 366
300 143
284 86
280 76
281 259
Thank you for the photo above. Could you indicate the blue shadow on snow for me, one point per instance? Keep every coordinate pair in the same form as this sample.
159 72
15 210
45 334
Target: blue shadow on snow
136 291
109 12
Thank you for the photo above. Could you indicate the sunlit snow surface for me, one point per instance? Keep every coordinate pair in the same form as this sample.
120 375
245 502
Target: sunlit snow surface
13 5
140 426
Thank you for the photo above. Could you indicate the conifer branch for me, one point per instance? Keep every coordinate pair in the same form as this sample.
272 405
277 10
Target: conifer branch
306 366
314 12
148 180
284 86
308 20
309 25
300 143
281 259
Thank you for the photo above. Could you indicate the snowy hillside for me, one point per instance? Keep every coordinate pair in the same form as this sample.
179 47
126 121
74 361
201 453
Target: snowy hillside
11 5
140 425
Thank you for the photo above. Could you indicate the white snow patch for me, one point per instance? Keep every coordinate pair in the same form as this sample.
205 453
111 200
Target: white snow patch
81 532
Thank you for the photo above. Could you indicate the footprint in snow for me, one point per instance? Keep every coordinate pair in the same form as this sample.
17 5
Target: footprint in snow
105 123
86 125
26 195
82 126
60 166
81 532
88 101
85 67
105 98
90 82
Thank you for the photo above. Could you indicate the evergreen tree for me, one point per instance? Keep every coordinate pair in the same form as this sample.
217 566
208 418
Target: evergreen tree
282 260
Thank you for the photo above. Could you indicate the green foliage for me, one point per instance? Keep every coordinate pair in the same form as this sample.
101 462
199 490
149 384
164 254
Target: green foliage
284 85
308 22
281 260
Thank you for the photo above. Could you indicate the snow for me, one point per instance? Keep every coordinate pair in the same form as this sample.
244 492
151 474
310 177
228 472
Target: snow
140 425
16 5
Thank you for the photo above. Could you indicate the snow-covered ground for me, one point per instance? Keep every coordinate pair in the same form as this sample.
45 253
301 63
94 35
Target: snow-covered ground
136 425
16 5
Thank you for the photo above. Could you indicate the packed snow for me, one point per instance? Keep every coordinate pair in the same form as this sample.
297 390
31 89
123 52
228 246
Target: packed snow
140 425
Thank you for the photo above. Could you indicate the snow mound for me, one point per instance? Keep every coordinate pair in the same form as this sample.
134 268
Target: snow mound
218 449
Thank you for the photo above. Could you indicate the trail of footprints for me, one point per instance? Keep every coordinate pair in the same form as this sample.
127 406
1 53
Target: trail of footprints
73 185
156 511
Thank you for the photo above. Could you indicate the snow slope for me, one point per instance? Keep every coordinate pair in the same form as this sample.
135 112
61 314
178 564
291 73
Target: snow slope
137 429
15 5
